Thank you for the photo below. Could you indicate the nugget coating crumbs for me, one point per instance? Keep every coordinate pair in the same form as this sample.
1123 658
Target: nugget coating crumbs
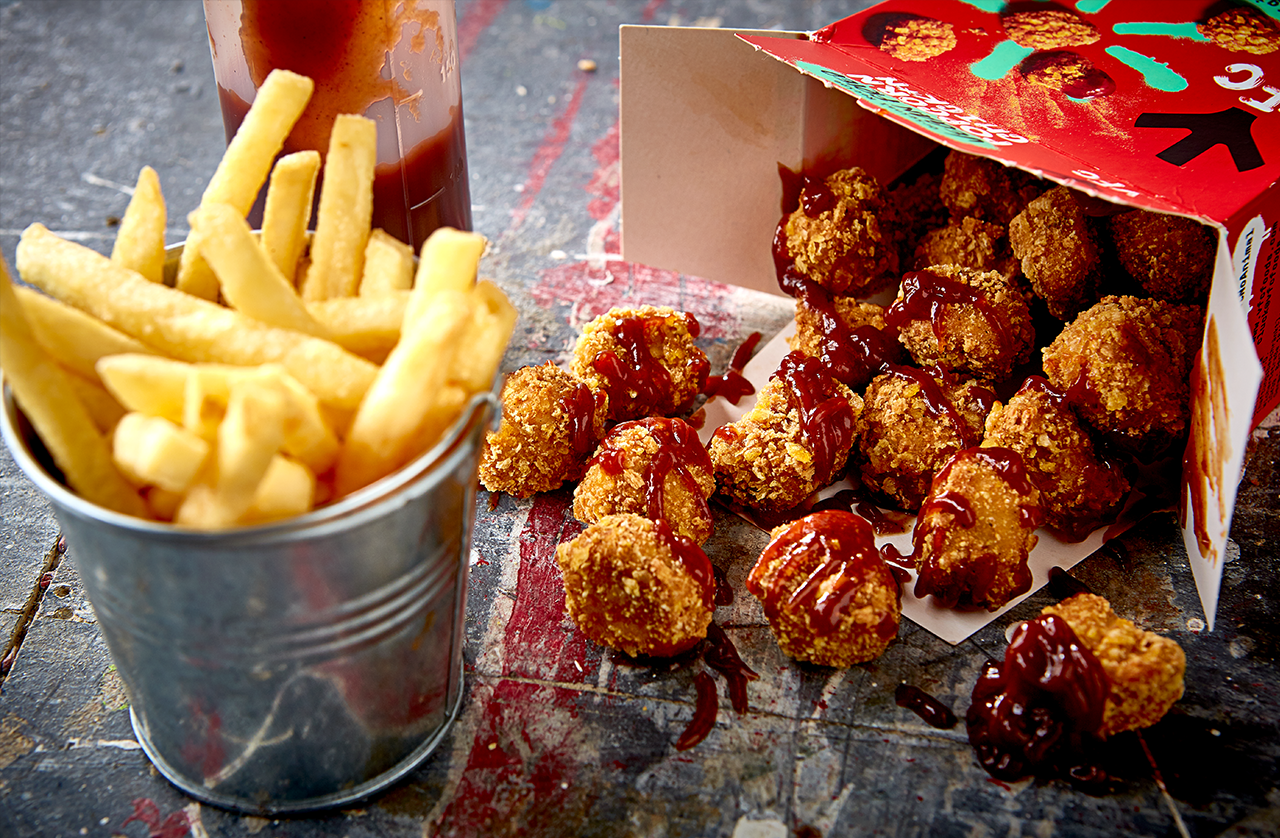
910 424
653 467
644 358
976 529
1241 29
1124 365
1144 670
793 441
551 422
1049 29
1079 491
631 584
1171 256
828 595
985 189
1058 248
845 234
918 206
910 37
969 243
963 320
810 336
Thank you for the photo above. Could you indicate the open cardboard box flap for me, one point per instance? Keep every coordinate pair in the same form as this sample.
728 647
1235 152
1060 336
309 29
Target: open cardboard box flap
1189 128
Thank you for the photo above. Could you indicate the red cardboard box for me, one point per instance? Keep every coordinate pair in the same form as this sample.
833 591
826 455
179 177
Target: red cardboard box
1163 113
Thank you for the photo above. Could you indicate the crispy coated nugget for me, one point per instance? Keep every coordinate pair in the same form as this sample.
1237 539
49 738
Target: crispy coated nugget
828 595
919 206
1079 490
969 243
1049 29
976 529
910 37
845 234
551 422
849 337
644 358
1059 251
911 423
963 320
1241 29
1144 670
654 467
631 584
985 189
794 441
1124 365
1170 255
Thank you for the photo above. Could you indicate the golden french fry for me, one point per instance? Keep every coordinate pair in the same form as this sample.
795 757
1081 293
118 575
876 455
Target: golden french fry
183 326
251 283
449 259
75 339
103 408
346 207
148 384
204 399
244 166
154 451
388 265
366 326
404 395
287 489
139 243
308 436
161 503
493 320
288 209
68 432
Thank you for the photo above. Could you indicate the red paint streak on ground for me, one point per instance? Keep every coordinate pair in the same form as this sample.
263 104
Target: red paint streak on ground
651 9
605 183
526 744
480 14
146 811
548 153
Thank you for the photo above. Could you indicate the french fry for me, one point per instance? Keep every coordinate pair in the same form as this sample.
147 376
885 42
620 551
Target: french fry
244 166
74 339
204 399
388 265
139 243
156 452
185 327
493 320
288 209
147 384
366 326
346 207
449 259
287 489
68 432
404 396
251 283
103 408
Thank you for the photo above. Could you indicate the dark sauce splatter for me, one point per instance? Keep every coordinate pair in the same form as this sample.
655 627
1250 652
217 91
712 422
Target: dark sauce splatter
705 709
1064 586
733 385
928 708
721 655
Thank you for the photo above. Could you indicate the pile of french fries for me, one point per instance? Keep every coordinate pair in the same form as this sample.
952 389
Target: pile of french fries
272 372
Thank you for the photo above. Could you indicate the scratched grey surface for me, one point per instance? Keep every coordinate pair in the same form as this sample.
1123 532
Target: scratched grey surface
559 737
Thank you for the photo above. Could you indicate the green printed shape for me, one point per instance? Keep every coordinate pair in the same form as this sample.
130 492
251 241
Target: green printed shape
1170 30
884 101
993 6
1267 7
1155 74
1002 59
1088 7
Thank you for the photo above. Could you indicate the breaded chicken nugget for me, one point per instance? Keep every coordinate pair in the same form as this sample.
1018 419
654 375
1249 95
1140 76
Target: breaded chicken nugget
1058 248
985 189
970 243
551 422
1171 256
828 595
654 467
644 358
632 584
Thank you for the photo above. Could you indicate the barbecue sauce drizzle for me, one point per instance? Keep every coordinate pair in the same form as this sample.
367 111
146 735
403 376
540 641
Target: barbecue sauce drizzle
733 385
633 369
679 450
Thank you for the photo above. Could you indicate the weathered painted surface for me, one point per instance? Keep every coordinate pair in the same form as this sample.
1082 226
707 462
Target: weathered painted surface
557 736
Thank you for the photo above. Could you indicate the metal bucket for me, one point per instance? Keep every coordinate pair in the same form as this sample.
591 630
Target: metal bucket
295 665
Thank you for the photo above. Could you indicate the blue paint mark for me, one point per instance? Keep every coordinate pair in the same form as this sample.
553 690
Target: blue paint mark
1155 74
1169 30
1088 7
994 6
1002 59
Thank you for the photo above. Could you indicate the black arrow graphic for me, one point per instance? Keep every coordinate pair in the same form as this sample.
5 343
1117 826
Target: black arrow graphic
1230 128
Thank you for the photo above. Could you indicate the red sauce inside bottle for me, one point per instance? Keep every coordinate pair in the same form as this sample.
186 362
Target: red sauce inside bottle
339 45
846 545
679 451
1031 713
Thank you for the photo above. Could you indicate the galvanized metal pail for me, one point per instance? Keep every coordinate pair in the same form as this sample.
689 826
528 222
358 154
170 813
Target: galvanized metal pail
290 666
